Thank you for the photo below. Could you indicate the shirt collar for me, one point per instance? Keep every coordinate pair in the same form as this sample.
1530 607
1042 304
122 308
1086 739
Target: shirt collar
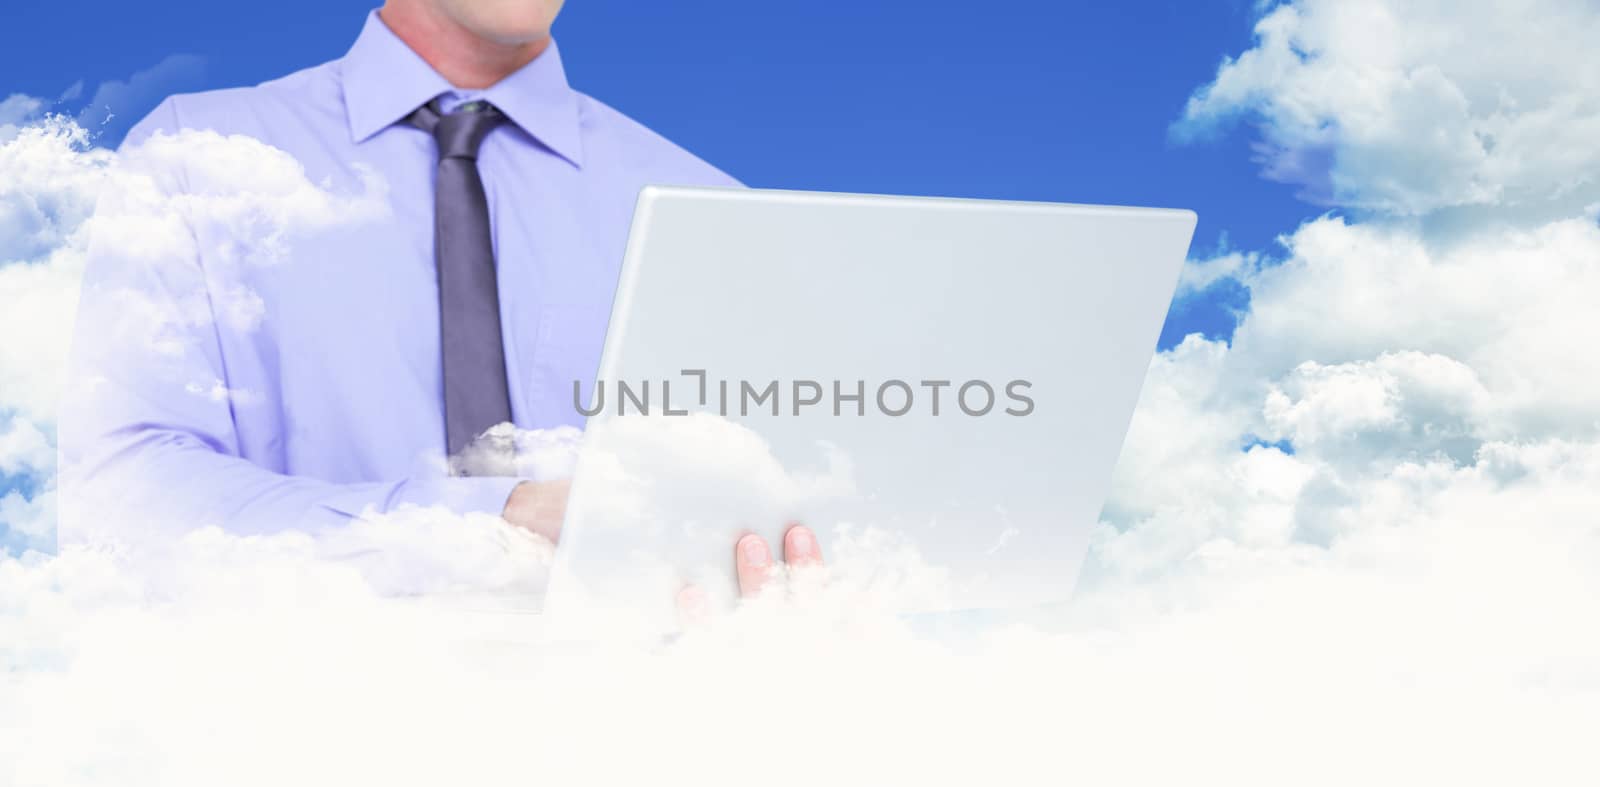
384 81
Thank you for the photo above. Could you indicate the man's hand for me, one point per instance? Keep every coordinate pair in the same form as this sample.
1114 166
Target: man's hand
752 561
752 558
538 506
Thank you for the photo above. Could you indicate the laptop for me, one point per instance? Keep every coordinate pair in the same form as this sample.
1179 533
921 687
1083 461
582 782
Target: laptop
938 387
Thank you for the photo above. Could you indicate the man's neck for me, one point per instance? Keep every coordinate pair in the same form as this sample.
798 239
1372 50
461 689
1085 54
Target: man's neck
463 58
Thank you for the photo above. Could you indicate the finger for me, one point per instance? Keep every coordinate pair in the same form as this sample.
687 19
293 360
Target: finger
800 547
694 607
753 561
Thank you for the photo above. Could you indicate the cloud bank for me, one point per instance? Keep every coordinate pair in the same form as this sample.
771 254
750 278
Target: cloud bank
1408 108
1358 542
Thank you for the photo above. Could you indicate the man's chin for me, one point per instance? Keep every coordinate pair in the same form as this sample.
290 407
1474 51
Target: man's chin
512 36
510 23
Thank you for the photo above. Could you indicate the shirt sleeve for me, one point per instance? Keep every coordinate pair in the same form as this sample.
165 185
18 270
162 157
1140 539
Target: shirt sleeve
147 440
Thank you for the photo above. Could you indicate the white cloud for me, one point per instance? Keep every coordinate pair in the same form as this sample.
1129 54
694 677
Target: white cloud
29 520
1512 305
15 110
1439 644
49 179
243 198
1371 349
54 179
24 450
1408 107
1408 401
1430 519
57 191
1197 275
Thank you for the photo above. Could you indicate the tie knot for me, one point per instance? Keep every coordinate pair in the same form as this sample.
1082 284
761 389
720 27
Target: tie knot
460 131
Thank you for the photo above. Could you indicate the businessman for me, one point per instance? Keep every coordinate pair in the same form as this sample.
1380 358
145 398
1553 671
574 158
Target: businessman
370 352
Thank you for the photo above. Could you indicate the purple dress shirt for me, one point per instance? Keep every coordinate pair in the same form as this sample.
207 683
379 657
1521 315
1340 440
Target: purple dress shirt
299 384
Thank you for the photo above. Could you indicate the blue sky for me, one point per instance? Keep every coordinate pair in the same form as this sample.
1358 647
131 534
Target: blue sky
1020 99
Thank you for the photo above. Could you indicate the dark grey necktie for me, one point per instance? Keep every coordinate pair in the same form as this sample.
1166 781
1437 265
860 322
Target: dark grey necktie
475 395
